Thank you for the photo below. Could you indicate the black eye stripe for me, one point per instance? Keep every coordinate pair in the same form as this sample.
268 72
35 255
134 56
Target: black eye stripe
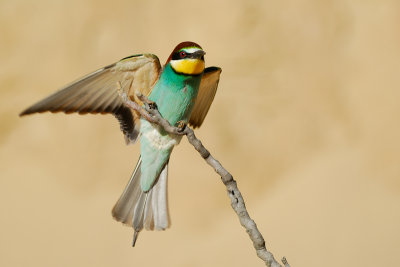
177 55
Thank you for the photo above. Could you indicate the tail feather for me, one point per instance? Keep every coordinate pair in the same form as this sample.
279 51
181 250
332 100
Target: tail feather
148 213
159 202
139 212
124 208
140 209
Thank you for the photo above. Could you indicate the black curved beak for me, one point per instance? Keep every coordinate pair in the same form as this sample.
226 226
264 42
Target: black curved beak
197 54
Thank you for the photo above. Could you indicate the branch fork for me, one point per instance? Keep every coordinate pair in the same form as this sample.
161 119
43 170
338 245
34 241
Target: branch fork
151 114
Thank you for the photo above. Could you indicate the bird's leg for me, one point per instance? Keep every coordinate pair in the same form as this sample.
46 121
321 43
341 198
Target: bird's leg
181 125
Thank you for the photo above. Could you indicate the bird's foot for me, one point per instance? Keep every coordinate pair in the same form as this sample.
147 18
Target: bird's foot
148 103
181 125
151 104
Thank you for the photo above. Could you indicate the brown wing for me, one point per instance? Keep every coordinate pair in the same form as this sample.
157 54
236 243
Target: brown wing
207 90
98 92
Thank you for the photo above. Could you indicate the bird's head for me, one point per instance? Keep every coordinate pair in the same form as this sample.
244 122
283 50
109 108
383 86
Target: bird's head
187 58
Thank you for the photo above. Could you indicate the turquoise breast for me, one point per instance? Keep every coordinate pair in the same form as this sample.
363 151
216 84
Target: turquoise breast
175 94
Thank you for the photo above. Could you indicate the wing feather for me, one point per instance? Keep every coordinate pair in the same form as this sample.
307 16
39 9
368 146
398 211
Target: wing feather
97 92
207 90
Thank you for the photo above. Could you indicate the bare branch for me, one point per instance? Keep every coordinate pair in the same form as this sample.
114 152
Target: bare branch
151 114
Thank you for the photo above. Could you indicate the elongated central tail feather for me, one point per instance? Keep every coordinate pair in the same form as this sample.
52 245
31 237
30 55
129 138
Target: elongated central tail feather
140 209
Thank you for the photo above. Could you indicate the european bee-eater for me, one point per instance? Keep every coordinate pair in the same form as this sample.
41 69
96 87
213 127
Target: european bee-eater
183 91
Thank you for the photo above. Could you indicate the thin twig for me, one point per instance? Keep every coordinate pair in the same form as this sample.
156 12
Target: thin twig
151 114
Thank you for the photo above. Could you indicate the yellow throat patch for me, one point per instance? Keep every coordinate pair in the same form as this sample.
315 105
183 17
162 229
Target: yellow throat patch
189 66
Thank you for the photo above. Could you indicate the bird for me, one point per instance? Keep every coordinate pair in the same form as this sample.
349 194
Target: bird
182 90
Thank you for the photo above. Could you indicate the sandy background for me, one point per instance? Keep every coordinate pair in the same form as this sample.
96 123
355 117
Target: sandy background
306 118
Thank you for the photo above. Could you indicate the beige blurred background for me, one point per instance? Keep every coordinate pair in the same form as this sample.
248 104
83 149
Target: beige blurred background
306 118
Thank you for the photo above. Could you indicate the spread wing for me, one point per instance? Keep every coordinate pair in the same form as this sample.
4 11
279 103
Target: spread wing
98 92
207 90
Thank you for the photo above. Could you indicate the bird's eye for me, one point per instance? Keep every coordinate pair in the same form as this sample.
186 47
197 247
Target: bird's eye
183 54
